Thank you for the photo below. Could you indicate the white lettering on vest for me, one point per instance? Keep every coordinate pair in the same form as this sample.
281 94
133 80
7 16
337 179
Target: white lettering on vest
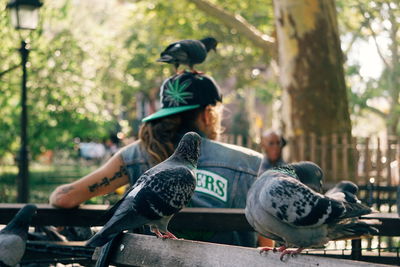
212 184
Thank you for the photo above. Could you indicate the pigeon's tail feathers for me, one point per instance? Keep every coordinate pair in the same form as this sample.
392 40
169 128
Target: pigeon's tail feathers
355 210
165 58
105 253
100 239
351 231
107 215
117 224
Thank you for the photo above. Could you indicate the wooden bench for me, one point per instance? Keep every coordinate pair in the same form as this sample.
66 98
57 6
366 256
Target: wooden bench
146 250
142 250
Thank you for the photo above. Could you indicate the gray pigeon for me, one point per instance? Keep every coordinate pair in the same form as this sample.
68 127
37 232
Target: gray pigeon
156 196
13 237
345 191
280 206
188 52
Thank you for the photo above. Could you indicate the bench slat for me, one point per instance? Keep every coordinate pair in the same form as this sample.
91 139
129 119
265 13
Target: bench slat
142 250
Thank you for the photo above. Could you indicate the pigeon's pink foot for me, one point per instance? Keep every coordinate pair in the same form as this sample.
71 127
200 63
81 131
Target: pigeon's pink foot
168 235
265 249
280 249
196 71
290 252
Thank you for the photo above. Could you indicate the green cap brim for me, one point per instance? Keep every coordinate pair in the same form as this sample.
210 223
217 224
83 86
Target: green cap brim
164 112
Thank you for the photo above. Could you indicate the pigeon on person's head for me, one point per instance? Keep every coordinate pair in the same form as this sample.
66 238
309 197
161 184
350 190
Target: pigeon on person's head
157 195
188 52
13 237
281 207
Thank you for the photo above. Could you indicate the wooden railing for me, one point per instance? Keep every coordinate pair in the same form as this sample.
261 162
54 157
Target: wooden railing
139 250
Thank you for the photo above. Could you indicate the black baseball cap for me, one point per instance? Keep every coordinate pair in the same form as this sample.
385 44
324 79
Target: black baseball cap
186 91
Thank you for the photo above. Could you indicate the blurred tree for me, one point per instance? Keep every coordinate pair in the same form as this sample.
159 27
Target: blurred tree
64 100
377 23
318 103
88 64
311 67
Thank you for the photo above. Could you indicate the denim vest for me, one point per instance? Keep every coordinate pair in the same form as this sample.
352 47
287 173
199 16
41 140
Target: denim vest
224 173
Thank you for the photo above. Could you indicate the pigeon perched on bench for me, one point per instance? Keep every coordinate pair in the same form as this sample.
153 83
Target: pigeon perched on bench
157 195
13 237
188 52
345 191
280 206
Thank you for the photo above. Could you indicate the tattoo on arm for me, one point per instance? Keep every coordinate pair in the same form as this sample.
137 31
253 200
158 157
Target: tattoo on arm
64 190
106 181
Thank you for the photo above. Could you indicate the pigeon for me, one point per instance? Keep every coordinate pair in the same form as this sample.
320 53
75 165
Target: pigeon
188 52
157 195
281 205
345 191
13 237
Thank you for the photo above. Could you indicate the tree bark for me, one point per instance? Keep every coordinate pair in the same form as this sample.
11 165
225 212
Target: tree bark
394 82
311 67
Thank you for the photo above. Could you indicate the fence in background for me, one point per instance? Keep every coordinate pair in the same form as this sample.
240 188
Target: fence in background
363 160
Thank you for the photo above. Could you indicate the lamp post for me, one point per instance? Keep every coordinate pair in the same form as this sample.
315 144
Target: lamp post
24 16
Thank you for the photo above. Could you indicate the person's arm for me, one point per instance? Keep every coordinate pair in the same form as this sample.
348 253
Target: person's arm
102 181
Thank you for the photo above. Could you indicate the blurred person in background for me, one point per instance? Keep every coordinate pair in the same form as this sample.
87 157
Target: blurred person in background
272 144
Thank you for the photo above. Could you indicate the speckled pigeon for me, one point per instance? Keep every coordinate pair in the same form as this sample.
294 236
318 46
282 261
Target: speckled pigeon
188 52
157 195
13 237
280 206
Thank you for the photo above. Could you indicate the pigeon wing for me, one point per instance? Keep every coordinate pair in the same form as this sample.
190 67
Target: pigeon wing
294 203
255 213
154 196
174 53
166 192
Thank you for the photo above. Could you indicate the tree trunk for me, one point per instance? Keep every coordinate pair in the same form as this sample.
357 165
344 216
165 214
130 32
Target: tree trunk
394 76
311 67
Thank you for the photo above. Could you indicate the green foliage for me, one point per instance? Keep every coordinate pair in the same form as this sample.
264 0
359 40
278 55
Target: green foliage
66 95
89 61
374 22
44 179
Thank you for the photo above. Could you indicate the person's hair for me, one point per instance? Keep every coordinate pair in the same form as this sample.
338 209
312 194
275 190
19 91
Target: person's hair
159 137
271 132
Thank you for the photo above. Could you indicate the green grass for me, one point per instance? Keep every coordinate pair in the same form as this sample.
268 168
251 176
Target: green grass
43 179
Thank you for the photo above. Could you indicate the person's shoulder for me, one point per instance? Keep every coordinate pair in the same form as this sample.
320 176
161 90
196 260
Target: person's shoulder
220 149
233 148
132 146
222 155
133 152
